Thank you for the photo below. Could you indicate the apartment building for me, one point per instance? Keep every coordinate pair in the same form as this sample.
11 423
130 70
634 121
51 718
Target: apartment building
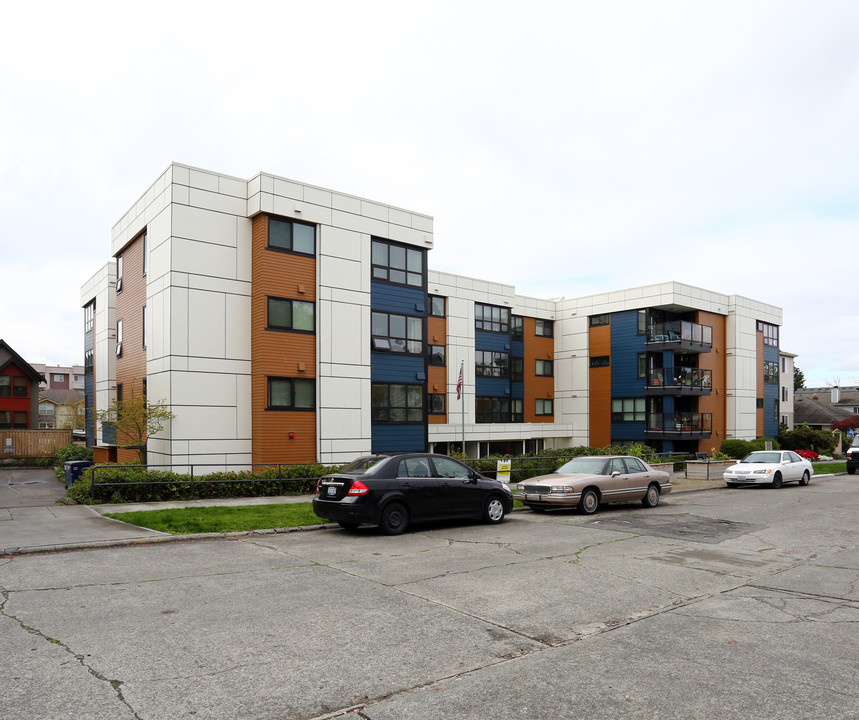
283 322
61 377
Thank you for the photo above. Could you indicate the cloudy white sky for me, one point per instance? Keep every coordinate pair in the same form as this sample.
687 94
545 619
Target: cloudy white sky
565 148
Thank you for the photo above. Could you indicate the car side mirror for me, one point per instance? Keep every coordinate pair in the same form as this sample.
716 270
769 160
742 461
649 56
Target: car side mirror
616 473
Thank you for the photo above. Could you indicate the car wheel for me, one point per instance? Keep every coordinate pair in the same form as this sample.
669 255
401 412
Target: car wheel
348 525
494 510
850 471
589 502
395 519
651 497
806 478
776 483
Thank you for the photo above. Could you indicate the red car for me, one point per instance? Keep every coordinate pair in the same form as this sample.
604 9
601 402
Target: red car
807 454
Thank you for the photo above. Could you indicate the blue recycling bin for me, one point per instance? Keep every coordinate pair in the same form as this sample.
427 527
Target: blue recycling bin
74 469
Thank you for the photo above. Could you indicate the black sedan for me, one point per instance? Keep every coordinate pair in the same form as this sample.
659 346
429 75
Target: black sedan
392 491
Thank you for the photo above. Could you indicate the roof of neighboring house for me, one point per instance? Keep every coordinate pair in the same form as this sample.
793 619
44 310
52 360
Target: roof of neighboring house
814 405
23 365
61 397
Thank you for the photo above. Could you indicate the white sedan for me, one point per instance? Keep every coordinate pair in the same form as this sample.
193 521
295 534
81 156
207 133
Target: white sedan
769 467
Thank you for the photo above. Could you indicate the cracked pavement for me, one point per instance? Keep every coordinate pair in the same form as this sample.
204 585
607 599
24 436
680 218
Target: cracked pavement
719 604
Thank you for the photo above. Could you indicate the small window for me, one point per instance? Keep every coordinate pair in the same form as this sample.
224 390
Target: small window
598 361
437 404
46 408
759 403
544 368
291 236
517 369
296 315
642 365
5 385
642 322
145 254
436 354
437 306
20 420
544 407
119 338
770 372
59 378
598 320
517 410
119 273
544 328
517 323
291 394
143 326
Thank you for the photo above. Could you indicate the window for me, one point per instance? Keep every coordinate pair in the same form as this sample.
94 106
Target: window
14 386
544 328
642 365
492 409
291 236
759 403
597 320
46 408
544 368
291 394
517 369
437 306
46 426
145 255
437 404
393 402
544 407
143 326
642 322
491 318
517 323
784 394
397 263
770 333
89 314
770 372
119 338
517 413
59 378
16 420
436 354
297 315
119 273
784 365
79 378
489 363
397 333
598 361
627 409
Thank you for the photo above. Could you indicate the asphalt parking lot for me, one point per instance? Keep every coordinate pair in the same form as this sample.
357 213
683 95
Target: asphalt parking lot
718 604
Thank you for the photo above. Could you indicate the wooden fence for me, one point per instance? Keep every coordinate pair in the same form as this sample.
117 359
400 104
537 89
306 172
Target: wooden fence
32 443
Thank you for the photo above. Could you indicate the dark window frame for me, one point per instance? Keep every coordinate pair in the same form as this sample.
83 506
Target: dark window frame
410 412
637 412
498 410
433 303
291 327
292 382
484 318
433 398
547 326
600 361
388 270
434 352
544 363
380 342
289 246
600 320
541 405
486 364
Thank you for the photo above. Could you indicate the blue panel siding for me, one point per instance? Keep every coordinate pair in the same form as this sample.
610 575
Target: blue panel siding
771 396
517 390
627 431
517 349
492 387
398 438
394 367
491 341
397 299
626 344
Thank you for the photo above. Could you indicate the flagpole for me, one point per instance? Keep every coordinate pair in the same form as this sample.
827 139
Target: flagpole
462 398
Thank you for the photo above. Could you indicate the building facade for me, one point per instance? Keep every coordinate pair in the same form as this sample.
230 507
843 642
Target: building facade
61 377
19 391
283 322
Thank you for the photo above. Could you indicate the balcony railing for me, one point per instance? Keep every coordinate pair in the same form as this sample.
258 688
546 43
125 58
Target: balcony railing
681 335
679 381
679 425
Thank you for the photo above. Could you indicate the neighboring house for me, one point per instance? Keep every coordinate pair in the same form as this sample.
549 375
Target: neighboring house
61 378
787 400
283 322
19 391
820 407
57 410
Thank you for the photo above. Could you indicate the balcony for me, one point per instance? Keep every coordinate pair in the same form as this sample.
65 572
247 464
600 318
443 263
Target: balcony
679 381
680 335
678 426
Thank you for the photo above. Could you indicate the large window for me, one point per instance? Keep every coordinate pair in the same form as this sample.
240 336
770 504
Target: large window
397 333
14 386
291 393
492 409
489 363
398 263
284 314
46 408
291 236
492 318
544 328
544 368
394 402
628 410
543 407
770 333
770 372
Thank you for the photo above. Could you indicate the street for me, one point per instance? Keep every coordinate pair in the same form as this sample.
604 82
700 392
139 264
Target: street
717 604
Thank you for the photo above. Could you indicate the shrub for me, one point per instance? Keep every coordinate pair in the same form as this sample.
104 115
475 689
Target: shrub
735 448
73 452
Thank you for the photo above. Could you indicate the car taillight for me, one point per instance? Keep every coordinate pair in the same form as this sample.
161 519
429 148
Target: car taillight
358 488
318 487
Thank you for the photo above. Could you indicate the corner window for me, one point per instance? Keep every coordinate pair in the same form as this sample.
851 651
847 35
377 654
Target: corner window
291 394
119 338
597 320
517 412
394 402
397 333
492 318
397 263
517 323
284 314
598 361
544 407
770 333
517 369
544 328
544 368
291 236
437 306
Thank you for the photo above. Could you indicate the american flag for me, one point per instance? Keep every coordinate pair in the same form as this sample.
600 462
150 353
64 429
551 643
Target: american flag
459 383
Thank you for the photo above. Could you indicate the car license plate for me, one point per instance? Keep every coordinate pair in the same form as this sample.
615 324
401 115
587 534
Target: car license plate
332 490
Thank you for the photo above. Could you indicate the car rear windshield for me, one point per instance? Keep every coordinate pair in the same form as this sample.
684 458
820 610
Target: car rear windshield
364 465
762 457
585 466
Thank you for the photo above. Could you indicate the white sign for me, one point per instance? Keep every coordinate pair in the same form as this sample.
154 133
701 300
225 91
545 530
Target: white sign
503 470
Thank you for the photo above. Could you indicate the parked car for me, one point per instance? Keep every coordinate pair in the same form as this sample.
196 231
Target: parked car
853 456
585 482
807 454
769 467
394 491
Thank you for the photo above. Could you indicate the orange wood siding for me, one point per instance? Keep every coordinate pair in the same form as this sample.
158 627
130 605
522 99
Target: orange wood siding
437 374
599 388
276 353
759 394
131 365
536 387
715 360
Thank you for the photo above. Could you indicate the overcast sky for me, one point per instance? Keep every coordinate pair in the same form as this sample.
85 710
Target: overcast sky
565 148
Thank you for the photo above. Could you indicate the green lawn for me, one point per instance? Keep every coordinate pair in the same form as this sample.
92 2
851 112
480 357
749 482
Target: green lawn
822 468
217 519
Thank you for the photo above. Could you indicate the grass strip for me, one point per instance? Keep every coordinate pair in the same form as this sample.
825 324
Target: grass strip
217 519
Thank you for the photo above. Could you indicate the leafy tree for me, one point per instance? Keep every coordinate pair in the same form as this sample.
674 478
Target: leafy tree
73 415
805 438
798 378
846 424
135 420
